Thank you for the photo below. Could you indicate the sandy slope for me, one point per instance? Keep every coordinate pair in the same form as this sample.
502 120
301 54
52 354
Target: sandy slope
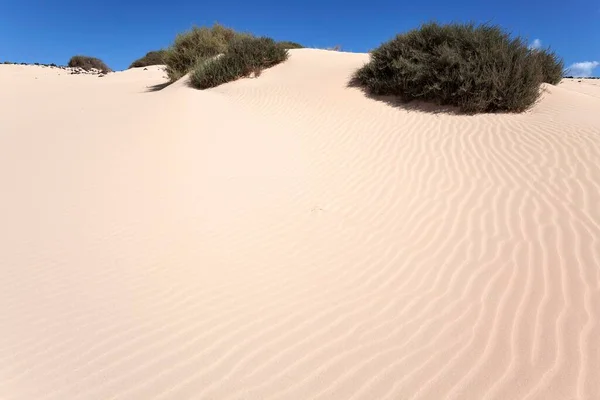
287 237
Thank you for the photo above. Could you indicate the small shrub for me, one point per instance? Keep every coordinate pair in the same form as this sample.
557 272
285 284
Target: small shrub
214 72
289 45
151 58
87 63
551 65
475 68
244 56
194 45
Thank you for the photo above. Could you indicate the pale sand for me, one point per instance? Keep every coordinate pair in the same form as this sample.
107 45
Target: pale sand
287 237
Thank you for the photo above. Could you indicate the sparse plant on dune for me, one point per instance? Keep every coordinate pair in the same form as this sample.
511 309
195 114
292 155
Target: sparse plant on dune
290 45
87 63
245 56
475 68
551 65
195 45
151 58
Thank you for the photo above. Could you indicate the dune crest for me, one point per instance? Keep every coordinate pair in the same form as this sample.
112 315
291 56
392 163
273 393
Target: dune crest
287 237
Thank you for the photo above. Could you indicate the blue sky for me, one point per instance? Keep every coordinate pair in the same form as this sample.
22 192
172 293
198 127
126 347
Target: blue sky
119 31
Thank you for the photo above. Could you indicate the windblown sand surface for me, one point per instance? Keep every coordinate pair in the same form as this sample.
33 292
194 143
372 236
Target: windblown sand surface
287 237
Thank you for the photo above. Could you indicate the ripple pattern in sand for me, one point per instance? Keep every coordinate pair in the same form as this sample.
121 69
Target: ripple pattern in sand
328 246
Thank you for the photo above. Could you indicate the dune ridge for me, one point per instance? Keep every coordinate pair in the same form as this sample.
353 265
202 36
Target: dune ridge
287 237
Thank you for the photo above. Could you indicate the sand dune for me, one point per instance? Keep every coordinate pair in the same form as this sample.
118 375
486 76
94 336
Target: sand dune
287 237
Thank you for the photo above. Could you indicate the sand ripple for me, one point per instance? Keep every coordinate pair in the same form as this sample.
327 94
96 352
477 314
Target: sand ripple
288 238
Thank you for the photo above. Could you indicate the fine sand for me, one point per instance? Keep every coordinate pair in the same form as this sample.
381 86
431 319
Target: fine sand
288 237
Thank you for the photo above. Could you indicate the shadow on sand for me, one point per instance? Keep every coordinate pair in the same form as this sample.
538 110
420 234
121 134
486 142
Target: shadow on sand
414 105
157 87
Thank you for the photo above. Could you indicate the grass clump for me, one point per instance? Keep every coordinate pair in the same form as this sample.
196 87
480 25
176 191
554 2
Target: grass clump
289 45
475 68
151 58
87 63
196 45
244 56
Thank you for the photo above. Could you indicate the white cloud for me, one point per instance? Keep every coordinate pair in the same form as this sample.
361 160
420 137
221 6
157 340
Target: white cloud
582 69
537 44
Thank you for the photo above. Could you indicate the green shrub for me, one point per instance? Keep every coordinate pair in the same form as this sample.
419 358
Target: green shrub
88 63
475 68
551 65
245 55
197 44
290 45
213 72
151 58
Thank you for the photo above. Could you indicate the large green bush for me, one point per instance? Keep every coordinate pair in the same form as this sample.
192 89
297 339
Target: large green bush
88 63
244 56
151 58
197 44
476 68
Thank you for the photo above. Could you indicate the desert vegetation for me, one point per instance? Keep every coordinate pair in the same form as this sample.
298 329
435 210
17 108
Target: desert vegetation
290 45
244 56
477 68
88 63
156 57
551 65
218 54
196 45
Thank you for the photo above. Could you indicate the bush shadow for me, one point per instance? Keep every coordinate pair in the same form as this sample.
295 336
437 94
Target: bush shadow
412 105
157 87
